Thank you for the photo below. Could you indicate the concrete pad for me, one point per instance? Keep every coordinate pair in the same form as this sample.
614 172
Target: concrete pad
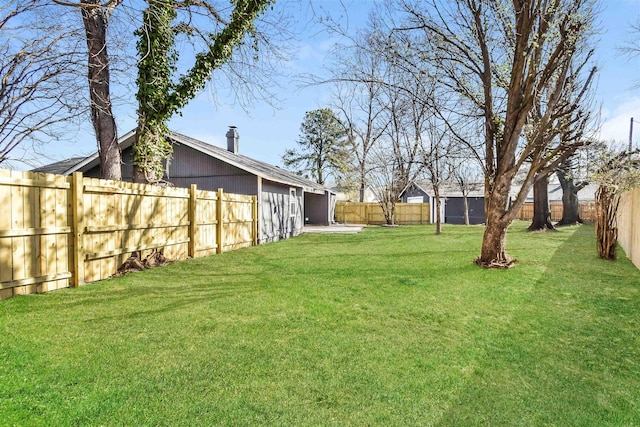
334 228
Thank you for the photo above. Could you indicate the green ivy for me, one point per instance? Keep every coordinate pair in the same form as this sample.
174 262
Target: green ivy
158 59
158 97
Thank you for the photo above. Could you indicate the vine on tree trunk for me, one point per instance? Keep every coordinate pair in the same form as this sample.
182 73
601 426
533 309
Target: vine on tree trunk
607 202
161 93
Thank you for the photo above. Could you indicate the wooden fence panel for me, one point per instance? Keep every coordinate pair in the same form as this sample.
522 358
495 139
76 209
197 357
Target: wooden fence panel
238 214
419 213
352 213
628 225
413 213
35 232
371 213
586 210
375 215
122 218
634 229
58 231
206 219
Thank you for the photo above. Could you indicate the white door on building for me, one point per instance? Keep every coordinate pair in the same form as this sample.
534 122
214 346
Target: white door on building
443 202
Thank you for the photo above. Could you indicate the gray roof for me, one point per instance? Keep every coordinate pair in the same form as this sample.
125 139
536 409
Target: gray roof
586 194
448 189
256 167
59 168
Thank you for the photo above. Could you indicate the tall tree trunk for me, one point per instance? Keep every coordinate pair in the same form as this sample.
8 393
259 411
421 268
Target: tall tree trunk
95 25
465 201
606 223
570 202
541 212
438 202
390 213
362 184
150 150
493 253
494 245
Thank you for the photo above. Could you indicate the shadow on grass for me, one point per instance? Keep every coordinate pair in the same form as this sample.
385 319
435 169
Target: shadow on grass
167 289
564 357
166 300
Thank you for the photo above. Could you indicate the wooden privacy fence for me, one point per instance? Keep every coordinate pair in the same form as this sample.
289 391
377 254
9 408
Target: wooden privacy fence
629 225
58 231
371 213
586 210
418 213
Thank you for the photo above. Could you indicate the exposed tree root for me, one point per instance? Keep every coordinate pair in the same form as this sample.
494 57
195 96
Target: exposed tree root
542 227
567 223
134 263
155 259
495 263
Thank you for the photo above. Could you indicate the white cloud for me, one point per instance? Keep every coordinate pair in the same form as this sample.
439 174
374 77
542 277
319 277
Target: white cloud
616 121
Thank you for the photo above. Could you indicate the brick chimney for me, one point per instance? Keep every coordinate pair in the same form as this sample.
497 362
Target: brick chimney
232 139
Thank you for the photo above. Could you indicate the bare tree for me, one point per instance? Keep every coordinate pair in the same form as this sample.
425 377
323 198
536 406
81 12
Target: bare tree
570 188
38 83
618 172
467 176
499 56
437 158
95 17
399 162
569 98
357 104
574 174
356 73
385 180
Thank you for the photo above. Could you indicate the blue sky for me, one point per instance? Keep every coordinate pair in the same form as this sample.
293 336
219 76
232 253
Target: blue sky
265 131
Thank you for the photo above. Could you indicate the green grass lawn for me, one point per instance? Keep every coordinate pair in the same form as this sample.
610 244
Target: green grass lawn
386 327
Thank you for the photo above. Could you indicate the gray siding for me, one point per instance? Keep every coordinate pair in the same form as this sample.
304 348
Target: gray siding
413 191
191 166
454 210
276 221
188 166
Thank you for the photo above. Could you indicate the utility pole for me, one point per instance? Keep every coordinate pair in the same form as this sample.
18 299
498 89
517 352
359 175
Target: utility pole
630 134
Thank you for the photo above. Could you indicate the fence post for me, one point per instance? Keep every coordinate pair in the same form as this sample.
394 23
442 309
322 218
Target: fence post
193 224
254 217
220 223
77 200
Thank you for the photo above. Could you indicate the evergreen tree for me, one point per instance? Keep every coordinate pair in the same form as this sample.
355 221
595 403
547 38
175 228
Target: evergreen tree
323 148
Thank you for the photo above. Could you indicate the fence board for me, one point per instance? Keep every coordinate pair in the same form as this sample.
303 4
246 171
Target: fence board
237 221
371 213
419 213
61 230
206 236
586 211
17 243
628 229
6 255
30 231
